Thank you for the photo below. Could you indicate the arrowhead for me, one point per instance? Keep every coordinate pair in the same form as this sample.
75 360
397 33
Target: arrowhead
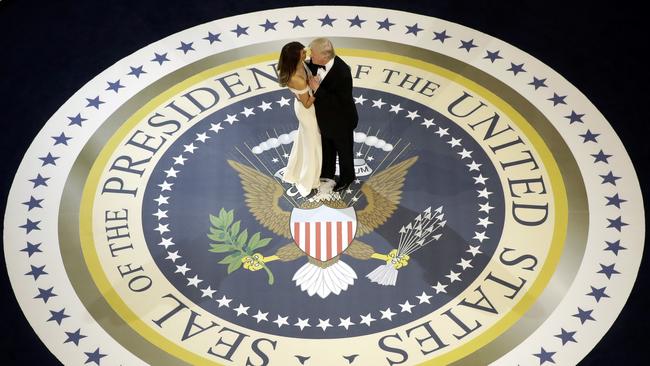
440 217
419 218
442 223
418 234
436 237
420 242
350 359
402 230
439 209
429 229
302 359
428 210
409 227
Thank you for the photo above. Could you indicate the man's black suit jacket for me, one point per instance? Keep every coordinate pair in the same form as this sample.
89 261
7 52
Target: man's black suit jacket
335 110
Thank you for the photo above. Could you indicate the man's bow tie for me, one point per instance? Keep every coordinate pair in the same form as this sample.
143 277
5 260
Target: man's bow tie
319 66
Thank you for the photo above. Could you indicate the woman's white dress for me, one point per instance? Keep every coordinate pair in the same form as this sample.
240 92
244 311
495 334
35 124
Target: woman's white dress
304 165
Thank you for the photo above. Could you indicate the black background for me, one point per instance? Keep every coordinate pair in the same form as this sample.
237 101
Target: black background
50 49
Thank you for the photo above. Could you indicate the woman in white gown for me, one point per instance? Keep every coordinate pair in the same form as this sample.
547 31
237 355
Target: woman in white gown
304 165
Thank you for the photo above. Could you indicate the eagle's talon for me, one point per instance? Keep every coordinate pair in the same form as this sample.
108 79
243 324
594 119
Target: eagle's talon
397 261
254 262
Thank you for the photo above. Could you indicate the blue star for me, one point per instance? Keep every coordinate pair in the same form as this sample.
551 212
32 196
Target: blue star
76 120
30 225
544 356
356 21
557 99
538 83
492 56
213 37
601 156
74 337
39 181
584 315
589 136
413 29
614 247
268 25
136 71
94 102
575 117
33 203
385 24
616 223
31 249
468 45
327 21
36 272
115 86
609 178
516 69
608 270
61 139
597 293
186 47
49 159
58 316
45 294
566 337
442 36
240 30
160 59
297 22
94 356
615 200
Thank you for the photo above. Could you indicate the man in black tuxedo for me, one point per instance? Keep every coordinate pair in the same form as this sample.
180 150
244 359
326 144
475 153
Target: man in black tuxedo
335 111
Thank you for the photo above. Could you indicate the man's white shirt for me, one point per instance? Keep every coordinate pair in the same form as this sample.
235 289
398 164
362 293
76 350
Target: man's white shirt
323 72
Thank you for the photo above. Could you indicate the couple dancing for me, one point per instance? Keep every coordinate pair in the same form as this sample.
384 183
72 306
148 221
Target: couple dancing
326 114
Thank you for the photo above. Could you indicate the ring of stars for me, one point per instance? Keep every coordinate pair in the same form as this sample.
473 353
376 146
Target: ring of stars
439 286
614 201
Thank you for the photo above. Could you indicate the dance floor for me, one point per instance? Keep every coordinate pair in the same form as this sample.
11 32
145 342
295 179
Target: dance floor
495 218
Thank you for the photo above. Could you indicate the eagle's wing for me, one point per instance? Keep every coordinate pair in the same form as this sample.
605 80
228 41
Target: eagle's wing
263 194
383 192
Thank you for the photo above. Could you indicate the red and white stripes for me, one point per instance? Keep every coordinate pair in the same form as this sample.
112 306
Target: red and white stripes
323 240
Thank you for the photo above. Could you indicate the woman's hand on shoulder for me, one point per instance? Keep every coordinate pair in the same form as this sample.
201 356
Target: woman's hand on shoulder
314 82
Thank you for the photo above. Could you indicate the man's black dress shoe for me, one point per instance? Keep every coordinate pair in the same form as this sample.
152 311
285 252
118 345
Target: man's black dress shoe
339 187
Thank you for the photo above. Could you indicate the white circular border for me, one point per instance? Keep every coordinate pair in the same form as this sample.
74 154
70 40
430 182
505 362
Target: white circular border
537 83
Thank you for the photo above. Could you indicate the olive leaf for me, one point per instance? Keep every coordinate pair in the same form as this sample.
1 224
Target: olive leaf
227 238
233 266
220 248
234 257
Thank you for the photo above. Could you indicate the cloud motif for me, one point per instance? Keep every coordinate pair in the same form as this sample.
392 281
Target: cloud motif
273 142
374 141
288 138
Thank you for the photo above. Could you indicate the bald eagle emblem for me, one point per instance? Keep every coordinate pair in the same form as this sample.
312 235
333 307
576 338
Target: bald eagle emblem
322 232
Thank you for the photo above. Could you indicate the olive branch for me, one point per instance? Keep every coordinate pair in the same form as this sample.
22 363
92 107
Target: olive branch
228 239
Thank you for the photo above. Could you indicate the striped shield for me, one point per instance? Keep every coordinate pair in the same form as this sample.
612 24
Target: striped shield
323 232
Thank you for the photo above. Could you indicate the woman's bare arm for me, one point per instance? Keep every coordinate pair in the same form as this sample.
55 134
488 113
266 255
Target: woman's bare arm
305 98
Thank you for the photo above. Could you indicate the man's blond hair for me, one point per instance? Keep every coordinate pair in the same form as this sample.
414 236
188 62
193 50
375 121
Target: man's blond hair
323 46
